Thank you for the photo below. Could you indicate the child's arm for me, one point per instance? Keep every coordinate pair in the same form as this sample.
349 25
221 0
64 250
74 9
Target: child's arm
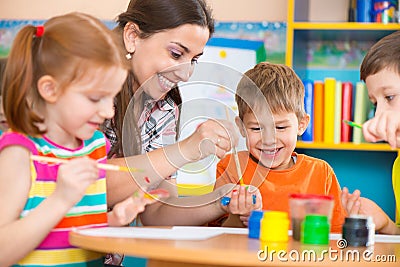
355 204
383 224
21 236
384 126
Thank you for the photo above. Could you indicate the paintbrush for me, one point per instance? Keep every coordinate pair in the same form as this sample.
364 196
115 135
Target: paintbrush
353 124
235 154
157 194
108 167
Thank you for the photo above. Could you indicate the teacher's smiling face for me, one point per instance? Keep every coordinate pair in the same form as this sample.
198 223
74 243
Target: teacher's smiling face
165 58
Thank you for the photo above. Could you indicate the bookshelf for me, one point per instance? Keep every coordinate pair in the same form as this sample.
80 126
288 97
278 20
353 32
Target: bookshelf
364 166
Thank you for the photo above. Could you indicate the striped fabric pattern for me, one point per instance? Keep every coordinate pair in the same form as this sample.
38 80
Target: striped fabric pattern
157 123
90 211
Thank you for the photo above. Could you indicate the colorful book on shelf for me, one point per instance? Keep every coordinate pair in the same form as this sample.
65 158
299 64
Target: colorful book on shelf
318 111
347 108
338 113
308 134
361 108
329 113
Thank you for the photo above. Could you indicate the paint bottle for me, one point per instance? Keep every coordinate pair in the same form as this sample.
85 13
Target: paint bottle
254 223
384 11
274 227
315 230
355 231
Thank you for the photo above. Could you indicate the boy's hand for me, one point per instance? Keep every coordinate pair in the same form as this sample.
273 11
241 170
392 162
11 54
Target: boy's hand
351 202
354 204
244 199
370 208
384 126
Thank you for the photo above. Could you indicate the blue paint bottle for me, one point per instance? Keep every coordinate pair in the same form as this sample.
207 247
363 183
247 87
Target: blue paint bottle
254 223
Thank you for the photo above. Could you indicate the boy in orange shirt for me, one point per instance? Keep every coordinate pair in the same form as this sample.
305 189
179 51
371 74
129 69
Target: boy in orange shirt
270 99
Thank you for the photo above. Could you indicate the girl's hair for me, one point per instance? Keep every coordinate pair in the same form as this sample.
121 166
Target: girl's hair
274 85
70 45
3 63
153 16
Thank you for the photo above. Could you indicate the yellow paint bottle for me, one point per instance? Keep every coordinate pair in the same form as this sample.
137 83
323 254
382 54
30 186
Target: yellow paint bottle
274 226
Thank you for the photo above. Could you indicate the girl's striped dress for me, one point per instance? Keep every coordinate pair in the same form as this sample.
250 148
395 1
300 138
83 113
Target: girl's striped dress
90 211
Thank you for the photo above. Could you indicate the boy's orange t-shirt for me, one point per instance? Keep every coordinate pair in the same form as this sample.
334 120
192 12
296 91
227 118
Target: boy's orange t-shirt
308 176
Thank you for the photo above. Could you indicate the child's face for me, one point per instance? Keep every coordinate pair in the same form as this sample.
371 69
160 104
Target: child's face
3 121
76 112
272 143
384 90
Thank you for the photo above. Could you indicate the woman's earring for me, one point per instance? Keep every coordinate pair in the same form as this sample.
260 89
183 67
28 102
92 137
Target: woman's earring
131 51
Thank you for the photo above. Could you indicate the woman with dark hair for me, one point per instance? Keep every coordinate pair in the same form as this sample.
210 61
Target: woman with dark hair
163 40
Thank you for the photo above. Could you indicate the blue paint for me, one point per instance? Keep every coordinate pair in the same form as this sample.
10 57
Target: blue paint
225 201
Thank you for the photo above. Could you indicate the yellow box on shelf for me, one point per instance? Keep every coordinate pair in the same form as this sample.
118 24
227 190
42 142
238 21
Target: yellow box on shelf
194 189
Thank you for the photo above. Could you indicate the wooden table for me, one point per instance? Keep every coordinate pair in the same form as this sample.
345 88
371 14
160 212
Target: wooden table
237 250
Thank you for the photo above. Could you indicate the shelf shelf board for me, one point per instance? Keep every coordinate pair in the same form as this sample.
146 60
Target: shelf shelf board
345 146
344 26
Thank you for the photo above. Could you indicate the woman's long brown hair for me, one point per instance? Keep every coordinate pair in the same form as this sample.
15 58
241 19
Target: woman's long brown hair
153 16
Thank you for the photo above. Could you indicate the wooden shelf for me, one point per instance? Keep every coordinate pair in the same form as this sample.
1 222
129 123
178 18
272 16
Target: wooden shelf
365 166
346 146
344 26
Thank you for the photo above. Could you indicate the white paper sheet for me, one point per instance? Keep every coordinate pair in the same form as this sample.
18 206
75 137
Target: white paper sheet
180 233
219 230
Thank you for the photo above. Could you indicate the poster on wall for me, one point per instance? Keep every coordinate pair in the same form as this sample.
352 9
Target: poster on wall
10 28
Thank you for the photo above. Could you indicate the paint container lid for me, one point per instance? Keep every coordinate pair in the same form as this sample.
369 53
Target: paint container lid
315 230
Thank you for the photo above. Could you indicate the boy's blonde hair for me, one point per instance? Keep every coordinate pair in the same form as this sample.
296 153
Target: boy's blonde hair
274 85
384 54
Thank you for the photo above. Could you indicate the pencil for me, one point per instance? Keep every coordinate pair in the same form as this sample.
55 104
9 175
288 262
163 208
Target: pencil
353 124
108 167
235 154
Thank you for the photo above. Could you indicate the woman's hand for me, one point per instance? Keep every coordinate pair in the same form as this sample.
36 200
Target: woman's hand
211 137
